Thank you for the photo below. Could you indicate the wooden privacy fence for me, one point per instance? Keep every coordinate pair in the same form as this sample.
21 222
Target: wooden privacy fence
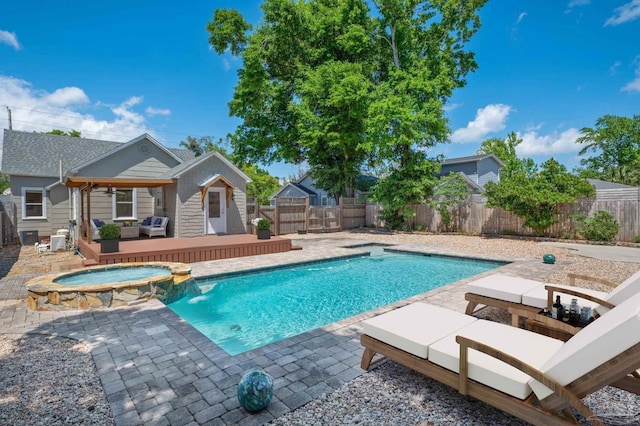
289 215
477 218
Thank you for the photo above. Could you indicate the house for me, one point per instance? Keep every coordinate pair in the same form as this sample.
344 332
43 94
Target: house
305 187
476 170
55 179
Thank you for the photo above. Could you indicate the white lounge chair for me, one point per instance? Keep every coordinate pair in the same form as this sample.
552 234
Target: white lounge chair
530 376
504 291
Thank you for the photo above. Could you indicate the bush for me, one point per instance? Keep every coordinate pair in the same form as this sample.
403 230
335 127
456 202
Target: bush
264 224
109 231
601 227
637 239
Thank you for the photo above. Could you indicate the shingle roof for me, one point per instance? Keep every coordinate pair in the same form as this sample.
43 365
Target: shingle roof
603 184
472 158
39 154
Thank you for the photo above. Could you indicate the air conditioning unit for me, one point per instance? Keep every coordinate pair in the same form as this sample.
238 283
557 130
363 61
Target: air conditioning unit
28 238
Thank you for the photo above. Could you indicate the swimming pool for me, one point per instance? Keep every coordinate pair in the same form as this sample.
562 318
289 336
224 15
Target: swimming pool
249 311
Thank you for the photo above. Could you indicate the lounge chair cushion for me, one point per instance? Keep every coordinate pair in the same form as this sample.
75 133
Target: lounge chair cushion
502 287
538 296
414 327
533 349
625 290
608 336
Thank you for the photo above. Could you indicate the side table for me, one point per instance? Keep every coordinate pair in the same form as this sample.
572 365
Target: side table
129 231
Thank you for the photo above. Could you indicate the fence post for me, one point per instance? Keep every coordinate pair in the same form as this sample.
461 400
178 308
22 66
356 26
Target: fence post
306 214
276 217
340 205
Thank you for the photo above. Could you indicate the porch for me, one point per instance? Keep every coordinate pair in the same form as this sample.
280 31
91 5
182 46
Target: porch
186 250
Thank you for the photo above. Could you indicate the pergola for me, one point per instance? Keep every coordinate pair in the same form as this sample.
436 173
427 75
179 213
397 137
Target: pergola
88 184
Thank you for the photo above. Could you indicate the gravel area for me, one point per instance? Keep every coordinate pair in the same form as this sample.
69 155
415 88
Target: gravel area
52 380
49 380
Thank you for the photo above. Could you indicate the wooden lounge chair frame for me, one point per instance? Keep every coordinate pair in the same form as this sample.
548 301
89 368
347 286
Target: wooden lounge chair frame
476 299
553 410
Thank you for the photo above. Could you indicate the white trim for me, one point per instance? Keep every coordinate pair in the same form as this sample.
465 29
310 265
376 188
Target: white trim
43 191
134 209
219 157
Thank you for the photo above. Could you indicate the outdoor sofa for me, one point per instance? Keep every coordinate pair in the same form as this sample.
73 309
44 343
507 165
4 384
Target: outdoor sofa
531 376
154 226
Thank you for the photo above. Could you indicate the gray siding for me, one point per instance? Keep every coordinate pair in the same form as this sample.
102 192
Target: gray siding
308 182
468 169
171 209
191 215
43 226
131 162
488 171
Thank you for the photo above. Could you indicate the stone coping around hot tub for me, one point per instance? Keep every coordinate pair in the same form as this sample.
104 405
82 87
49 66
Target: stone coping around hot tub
46 283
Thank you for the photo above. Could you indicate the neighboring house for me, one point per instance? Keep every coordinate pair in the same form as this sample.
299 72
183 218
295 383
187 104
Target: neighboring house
476 170
305 187
611 191
55 179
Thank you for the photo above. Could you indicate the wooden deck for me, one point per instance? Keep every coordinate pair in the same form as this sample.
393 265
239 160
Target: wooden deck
186 250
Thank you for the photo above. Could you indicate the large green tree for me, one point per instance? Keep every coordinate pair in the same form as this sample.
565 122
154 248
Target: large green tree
72 133
535 195
303 89
342 86
505 150
615 143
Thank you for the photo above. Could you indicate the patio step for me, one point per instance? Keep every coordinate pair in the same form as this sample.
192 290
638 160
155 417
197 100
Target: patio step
89 262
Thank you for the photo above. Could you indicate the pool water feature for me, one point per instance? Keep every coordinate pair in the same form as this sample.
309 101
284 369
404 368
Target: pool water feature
252 310
110 286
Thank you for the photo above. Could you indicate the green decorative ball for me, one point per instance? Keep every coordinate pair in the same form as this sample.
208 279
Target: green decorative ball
549 258
255 390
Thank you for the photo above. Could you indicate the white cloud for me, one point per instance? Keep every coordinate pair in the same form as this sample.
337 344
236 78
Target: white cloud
488 120
41 111
10 38
151 111
614 67
451 107
521 17
554 143
634 85
574 3
625 13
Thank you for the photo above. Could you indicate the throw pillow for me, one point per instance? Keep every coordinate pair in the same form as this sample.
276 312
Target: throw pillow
157 221
147 221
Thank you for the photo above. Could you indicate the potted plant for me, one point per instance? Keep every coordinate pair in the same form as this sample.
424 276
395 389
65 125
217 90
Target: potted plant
109 238
264 229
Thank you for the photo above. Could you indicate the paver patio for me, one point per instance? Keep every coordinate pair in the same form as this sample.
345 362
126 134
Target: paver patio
157 369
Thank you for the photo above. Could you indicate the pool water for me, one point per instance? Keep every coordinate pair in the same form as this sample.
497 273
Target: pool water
115 275
250 311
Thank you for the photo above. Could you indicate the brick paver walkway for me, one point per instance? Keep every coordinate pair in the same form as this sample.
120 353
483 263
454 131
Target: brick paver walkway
157 369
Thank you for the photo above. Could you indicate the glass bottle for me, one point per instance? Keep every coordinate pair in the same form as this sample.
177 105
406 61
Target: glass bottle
557 310
574 312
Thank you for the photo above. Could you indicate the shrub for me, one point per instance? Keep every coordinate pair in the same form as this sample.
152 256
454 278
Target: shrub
264 224
637 239
109 231
601 227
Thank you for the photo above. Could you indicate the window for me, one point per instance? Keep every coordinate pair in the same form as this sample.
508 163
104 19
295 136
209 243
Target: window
325 201
34 203
124 204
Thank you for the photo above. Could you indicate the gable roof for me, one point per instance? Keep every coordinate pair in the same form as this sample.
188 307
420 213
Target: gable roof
296 185
187 165
473 159
39 154
120 147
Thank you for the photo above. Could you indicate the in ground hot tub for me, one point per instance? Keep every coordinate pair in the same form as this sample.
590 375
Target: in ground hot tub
112 285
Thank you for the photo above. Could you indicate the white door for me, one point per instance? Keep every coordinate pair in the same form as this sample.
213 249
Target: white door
215 208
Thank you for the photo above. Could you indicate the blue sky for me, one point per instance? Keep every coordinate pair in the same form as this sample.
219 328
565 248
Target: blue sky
115 70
